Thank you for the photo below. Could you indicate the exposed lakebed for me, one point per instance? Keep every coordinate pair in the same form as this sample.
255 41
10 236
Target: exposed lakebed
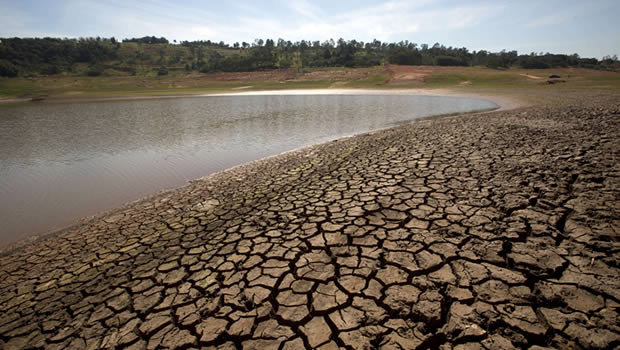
60 162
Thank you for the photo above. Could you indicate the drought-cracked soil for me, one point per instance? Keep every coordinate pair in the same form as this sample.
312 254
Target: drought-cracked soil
494 231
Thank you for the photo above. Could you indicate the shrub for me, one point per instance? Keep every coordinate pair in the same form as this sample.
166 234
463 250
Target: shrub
95 70
449 61
405 57
534 63
50 69
8 69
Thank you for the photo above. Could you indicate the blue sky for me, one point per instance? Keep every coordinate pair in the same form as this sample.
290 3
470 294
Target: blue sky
589 28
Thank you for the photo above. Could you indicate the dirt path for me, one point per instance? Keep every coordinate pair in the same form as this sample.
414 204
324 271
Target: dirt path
494 231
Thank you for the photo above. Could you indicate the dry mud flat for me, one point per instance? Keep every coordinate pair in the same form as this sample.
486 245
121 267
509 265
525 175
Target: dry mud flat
489 231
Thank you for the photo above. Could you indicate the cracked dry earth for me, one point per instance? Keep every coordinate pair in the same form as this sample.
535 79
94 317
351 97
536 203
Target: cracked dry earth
489 231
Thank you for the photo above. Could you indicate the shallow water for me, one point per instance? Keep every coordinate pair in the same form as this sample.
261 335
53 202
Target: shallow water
60 162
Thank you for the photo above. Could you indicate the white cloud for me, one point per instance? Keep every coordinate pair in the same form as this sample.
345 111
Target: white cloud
393 20
450 22
549 20
18 23
202 31
304 8
560 15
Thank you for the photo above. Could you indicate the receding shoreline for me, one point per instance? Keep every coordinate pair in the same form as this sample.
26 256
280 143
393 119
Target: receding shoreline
492 229
504 103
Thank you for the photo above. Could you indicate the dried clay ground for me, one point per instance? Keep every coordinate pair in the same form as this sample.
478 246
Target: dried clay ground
488 231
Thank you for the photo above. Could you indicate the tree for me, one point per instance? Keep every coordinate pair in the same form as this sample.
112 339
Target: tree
95 70
493 61
147 40
53 55
297 61
8 69
449 61
404 56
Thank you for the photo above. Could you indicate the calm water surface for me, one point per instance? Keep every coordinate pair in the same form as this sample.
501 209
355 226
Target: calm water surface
60 162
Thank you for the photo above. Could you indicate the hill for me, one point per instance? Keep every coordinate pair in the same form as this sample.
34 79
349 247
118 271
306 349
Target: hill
151 56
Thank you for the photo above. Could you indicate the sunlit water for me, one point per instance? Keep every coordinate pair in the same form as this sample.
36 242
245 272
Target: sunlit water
60 162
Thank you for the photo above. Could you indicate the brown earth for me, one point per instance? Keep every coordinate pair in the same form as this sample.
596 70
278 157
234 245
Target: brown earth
407 74
488 231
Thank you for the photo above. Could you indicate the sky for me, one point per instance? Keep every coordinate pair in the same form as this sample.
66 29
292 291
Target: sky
588 28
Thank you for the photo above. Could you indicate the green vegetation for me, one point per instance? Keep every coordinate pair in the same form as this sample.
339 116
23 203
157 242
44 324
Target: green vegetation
147 40
99 67
52 56
151 56
162 71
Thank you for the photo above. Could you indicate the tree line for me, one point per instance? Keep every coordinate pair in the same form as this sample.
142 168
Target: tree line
91 56
51 55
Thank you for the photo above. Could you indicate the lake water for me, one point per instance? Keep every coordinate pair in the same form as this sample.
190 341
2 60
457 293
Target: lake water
60 162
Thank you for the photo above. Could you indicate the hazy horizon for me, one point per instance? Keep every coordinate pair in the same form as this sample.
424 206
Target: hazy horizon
563 27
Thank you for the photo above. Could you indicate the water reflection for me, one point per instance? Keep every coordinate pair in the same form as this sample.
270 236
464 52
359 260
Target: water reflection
62 162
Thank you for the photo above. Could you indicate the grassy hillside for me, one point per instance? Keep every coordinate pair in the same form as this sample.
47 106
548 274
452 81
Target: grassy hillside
64 86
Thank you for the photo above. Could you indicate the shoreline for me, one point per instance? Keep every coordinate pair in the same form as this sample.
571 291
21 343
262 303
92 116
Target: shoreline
504 103
496 230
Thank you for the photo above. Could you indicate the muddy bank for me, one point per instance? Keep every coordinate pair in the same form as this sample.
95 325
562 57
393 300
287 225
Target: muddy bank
495 230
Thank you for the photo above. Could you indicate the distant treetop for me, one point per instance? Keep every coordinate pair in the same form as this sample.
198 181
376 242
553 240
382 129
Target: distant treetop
156 56
147 40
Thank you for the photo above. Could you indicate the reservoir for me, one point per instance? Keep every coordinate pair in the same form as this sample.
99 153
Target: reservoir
61 162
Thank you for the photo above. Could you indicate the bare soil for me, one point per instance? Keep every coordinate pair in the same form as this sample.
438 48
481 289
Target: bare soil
406 74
